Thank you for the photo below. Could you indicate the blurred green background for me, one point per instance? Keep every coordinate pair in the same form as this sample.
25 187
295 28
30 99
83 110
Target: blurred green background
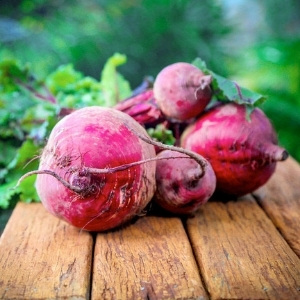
256 43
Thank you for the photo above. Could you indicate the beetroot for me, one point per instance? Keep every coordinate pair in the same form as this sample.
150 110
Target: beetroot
97 182
182 91
182 187
143 108
243 152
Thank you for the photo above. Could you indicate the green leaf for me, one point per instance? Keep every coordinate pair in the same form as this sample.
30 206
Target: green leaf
62 77
27 190
87 91
7 191
15 105
227 90
230 91
10 72
201 64
24 157
7 153
14 77
3 173
22 163
35 120
162 134
114 86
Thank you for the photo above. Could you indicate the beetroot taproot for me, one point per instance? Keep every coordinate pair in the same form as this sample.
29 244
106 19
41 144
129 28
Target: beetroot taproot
243 150
182 187
96 183
182 91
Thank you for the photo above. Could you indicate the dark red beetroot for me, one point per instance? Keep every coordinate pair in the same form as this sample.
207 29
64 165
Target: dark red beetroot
182 91
86 141
182 187
242 152
143 108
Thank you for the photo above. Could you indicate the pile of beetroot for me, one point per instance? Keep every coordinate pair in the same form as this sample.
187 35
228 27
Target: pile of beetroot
100 167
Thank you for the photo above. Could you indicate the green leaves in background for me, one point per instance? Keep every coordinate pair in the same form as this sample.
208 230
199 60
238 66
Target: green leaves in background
25 160
74 90
30 108
117 89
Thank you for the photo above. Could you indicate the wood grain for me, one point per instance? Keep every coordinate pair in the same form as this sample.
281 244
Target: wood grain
42 257
241 254
151 259
281 201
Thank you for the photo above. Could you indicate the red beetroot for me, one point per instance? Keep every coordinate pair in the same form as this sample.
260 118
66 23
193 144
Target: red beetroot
87 149
242 152
142 107
182 91
182 187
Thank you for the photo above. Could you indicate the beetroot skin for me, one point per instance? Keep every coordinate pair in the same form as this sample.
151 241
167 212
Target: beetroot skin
182 187
242 152
182 91
98 138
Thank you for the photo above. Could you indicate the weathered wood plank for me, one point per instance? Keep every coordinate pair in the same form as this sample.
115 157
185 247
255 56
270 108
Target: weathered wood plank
151 259
241 254
42 257
281 201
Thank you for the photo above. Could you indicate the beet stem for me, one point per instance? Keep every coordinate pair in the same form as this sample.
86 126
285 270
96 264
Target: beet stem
205 81
126 166
88 170
52 173
201 161
199 82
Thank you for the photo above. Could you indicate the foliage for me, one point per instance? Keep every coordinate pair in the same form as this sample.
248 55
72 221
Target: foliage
31 107
227 90
152 33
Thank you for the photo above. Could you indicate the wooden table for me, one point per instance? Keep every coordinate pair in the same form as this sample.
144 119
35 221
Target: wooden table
236 249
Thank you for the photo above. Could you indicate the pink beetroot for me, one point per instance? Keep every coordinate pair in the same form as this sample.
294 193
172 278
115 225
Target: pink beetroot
182 91
243 152
95 183
182 187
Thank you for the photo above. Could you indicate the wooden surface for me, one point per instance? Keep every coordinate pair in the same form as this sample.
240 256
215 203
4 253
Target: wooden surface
281 202
43 258
247 257
158 258
235 249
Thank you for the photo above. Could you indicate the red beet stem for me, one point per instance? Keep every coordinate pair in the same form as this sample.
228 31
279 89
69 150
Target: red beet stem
199 159
87 171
